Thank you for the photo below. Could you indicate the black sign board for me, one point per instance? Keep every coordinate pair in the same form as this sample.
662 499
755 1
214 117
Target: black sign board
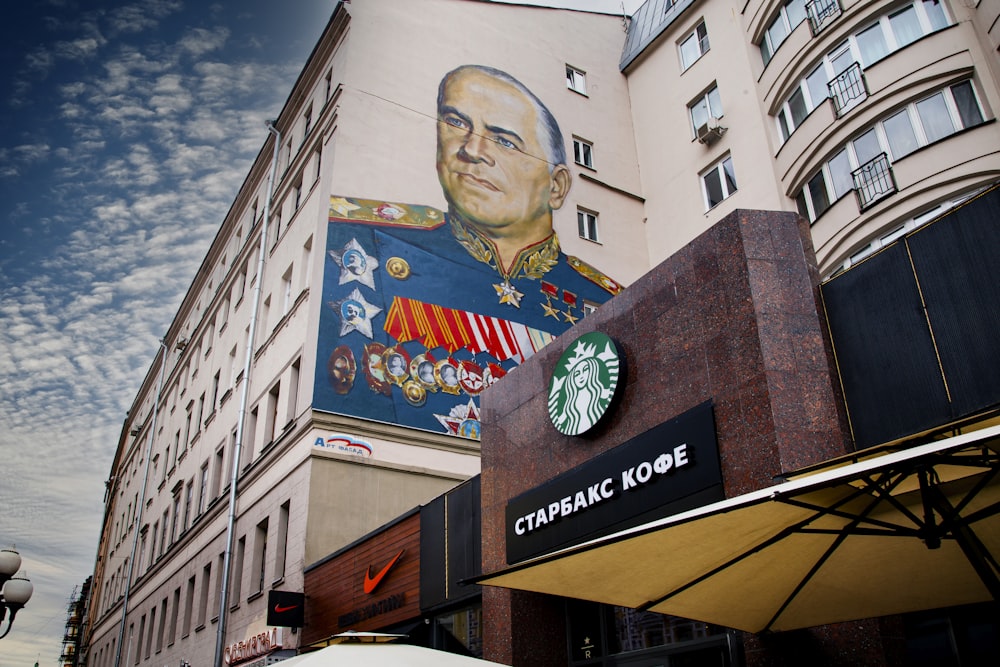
668 469
286 609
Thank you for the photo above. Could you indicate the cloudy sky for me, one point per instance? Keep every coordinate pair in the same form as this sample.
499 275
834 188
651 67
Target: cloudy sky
128 126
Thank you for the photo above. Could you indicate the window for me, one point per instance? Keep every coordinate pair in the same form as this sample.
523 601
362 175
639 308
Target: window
175 610
839 73
203 488
694 46
188 499
790 16
718 182
149 637
586 222
152 550
307 119
259 556
583 152
706 107
894 137
162 626
138 644
282 541
188 608
576 80
218 583
165 531
176 516
237 574
206 576
220 455
286 291
272 426
328 85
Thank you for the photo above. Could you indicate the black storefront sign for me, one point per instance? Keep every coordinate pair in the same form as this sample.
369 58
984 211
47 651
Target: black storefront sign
286 609
668 469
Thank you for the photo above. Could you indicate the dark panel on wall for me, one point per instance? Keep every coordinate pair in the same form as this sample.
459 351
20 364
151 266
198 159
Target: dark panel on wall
464 539
905 370
450 538
433 589
884 350
958 262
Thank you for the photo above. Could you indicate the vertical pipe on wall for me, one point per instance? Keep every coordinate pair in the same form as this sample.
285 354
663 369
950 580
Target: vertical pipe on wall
220 640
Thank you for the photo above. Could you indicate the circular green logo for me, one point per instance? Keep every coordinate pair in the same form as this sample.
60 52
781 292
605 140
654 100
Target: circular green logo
583 383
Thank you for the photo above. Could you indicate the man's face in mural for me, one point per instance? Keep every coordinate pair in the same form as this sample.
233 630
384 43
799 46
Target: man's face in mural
490 159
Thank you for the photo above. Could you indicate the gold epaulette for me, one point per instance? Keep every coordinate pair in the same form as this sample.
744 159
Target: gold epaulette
593 275
377 212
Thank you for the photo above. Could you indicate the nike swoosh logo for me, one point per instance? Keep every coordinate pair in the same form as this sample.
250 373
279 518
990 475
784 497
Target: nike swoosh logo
371 583
278 609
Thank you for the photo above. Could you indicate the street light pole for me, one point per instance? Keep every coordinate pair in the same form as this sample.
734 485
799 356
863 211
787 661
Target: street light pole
17 589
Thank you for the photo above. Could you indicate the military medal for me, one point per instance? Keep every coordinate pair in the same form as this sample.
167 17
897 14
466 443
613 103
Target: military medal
446 374
397 364
356 314
470 377
422 371
373 362
508 294
341 369
355 264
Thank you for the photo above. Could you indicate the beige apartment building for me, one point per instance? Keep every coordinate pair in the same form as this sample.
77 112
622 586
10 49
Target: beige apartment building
270 430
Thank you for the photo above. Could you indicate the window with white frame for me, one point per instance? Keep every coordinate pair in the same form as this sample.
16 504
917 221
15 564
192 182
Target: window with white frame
718 182
705 108
576 80
894 233
586 222
867 46
788 18
914 126
583 152
693 46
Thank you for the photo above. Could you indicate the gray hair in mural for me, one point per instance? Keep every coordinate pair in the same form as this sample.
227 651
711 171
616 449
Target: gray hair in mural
547 128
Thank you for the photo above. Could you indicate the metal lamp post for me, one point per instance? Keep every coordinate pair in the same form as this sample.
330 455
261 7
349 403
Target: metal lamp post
17 589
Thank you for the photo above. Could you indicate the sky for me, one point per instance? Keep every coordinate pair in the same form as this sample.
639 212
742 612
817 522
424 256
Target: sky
127 128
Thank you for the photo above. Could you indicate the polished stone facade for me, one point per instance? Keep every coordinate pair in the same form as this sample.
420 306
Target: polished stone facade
732 318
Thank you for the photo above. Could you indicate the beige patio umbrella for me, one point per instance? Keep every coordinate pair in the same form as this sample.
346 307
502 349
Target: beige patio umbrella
372 649
905 531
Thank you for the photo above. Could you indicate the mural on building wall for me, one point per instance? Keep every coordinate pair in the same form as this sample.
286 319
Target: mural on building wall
423 308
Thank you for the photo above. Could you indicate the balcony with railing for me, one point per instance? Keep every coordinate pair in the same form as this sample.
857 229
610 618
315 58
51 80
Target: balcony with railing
848 89
873 181
822 13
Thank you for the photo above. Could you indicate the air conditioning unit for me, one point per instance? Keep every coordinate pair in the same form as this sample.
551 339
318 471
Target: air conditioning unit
710 132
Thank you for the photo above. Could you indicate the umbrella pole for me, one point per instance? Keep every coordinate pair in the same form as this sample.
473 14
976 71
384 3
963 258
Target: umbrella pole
975 551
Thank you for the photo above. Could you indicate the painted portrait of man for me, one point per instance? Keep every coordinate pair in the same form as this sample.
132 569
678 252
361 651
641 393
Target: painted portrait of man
483 284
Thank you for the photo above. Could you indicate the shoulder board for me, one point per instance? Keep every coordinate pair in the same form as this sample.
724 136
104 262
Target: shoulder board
378 212
593 275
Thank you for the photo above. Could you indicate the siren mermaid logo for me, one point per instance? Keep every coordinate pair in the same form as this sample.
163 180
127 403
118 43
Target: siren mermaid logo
583 383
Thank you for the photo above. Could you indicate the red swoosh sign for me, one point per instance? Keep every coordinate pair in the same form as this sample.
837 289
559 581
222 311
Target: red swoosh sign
278 609
370 582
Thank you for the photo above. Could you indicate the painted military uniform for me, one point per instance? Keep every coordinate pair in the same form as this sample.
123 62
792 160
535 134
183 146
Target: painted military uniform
418 318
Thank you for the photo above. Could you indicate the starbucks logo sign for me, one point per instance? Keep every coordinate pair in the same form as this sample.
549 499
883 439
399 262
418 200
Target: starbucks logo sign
583 383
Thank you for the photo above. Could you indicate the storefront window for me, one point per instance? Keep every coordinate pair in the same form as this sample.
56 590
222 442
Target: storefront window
460 632
608 636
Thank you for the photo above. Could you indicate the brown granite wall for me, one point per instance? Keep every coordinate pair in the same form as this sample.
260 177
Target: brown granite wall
733 318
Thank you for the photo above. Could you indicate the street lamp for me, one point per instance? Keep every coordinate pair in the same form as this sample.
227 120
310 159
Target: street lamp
17 589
